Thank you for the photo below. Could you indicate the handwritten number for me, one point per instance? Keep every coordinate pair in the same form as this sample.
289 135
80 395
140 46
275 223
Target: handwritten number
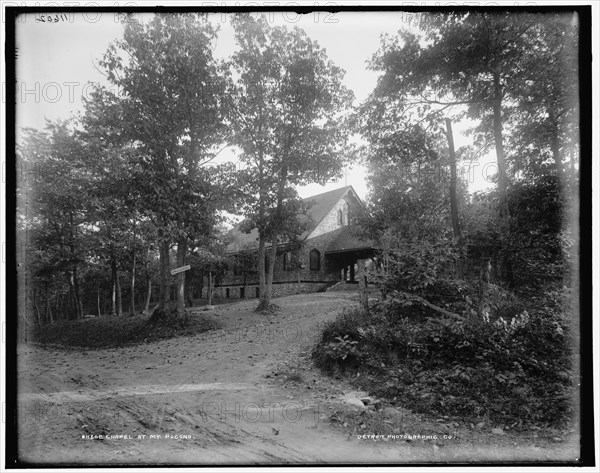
63 17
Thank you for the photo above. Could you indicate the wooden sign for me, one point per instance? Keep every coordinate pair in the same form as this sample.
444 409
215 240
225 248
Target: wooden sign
180 270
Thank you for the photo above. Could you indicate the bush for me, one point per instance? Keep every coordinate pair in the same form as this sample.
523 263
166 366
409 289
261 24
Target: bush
338 346
511 369
417 265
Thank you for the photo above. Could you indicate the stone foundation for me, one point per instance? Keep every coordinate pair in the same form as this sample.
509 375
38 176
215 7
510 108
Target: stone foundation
250 291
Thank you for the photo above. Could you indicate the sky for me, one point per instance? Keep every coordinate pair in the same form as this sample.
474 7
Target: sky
57 61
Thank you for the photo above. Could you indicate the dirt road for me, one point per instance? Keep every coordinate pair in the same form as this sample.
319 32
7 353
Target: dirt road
245 394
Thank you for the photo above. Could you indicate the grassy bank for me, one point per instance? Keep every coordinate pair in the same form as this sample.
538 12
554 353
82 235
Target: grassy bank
106 332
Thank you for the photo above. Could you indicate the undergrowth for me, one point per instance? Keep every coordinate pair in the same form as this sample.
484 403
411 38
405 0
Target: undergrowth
107 332
513 369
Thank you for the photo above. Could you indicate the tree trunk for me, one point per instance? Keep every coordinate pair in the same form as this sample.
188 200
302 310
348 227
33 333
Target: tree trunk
504 215
132 296
262 282
117 307
164 293
74 278
70 302
45 307
148 293
119 296
484 283
189 291
499 145
181 251
265 303
262 279
201 278
54 307
71 314
113 308
77 307
36 309
60 308
49 310
453 181
98 302
273 255
209 288
363 285
453 197
78 301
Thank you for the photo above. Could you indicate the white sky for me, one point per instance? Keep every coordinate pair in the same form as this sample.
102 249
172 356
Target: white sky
57 60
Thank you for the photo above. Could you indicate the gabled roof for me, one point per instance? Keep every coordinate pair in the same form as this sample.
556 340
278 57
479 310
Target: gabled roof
319 206
348 241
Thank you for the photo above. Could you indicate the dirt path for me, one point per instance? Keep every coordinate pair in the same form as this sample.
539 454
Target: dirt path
221 397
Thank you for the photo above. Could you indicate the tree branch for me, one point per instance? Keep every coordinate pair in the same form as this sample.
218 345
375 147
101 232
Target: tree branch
428 304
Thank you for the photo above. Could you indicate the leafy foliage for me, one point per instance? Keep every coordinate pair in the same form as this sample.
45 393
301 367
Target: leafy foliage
131 175
416 266
341 348
540 241
485 66
340 338
513 369
286 103
173 110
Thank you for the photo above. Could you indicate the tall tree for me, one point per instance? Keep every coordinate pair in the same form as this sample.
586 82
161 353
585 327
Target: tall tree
114 206
469 59
57 215
544 117
453 181
172 112
287 102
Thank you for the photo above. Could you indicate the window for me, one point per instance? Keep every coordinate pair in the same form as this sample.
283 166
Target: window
237 266
343 215
315 260
287 261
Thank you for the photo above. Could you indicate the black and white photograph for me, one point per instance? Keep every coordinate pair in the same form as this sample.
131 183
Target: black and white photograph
302 234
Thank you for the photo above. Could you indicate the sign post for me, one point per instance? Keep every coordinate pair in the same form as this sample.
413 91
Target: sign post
180 270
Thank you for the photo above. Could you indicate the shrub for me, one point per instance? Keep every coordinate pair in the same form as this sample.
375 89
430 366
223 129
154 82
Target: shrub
416 266
511 369
342 348
339 340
